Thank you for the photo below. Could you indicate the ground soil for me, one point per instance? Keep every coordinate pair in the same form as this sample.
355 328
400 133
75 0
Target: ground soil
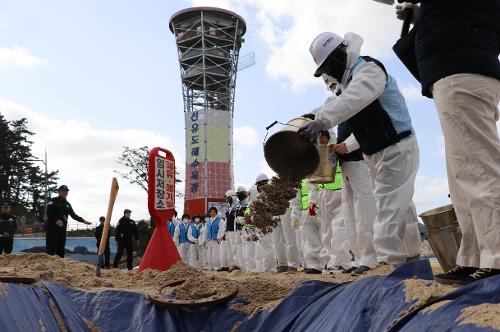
261 290
484 315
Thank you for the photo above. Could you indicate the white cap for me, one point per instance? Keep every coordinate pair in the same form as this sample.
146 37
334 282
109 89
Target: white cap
261 177
241 189
322 46
230 193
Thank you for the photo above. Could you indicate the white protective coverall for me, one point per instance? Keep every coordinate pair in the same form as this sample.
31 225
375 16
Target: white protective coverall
296 216
233 238
195 259
285 242
312 230
392 170
185 246
203 247
250 247
214 254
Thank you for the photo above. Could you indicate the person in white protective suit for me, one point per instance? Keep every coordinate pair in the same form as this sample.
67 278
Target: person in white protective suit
195 251
215 234
371 104
360 210
203 244
295 218
264 251
249 262
327 199
233 240
181 238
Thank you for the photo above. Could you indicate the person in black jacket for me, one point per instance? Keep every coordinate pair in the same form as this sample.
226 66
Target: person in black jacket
58 210
98 236
125 235
8 227
457 44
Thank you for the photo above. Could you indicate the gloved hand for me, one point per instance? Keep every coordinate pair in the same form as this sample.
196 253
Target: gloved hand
295 223
240 220
400 11
312 209
311 130
309 116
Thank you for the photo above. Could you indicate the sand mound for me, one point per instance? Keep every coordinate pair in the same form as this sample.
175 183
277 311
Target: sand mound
261 290
484 315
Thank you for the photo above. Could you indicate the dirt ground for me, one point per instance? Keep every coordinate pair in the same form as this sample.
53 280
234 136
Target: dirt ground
261 290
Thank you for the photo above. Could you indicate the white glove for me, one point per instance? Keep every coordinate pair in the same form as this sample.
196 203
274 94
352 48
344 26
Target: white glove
295 223
240 220
401 8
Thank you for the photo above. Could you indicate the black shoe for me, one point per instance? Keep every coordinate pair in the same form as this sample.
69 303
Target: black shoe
349 270
223 269
479 275
413 258
312 271
235 268
362 269
282 269
291 269
458 275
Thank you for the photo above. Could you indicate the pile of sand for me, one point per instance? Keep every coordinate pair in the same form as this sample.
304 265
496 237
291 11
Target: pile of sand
484 315
424 291
261 290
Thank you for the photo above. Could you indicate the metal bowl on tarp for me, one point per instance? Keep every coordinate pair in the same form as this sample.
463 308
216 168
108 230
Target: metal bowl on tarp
327 166
288 154
444 234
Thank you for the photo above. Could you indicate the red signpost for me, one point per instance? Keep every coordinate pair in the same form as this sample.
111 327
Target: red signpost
161 252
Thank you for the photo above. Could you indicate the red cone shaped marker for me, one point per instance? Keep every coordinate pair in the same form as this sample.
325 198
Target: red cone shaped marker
161 252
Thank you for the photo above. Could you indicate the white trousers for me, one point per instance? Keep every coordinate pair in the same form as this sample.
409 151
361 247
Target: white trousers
203 256
312 231
393 172
235 253
224 252
285 242
264 253
213 255
250 263
360 211
279 245
301 238
467 105
194 256
334 242
183 249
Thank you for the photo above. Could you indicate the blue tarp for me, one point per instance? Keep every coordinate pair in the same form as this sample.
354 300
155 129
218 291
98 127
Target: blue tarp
371 304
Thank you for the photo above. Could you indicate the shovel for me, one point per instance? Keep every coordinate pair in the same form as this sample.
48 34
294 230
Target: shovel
105 230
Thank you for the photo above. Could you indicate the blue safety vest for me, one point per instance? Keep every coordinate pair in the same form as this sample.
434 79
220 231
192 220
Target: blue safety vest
213 229
195 231
183 236
171 228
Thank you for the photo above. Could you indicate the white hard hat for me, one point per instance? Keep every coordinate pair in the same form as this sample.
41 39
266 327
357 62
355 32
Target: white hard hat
230 193
322 46
241 189
261 177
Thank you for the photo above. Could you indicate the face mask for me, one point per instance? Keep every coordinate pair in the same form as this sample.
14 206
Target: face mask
207 219
197 220
241 197
337 63
185 220
229 200
330 82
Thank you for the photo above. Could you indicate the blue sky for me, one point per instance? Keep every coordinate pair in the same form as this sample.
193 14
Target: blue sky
94 75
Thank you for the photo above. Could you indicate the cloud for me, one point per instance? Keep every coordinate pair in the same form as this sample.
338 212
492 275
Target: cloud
288 27
18 57
245 136
430 193
412 92
86 158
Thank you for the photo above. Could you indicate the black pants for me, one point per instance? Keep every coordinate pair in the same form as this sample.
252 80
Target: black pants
6 244
107 256
55 240
127 245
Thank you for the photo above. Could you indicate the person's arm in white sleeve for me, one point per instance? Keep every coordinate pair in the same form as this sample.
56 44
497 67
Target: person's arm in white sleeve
351 143
203 236
222 229
190 235
177 233
368 83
